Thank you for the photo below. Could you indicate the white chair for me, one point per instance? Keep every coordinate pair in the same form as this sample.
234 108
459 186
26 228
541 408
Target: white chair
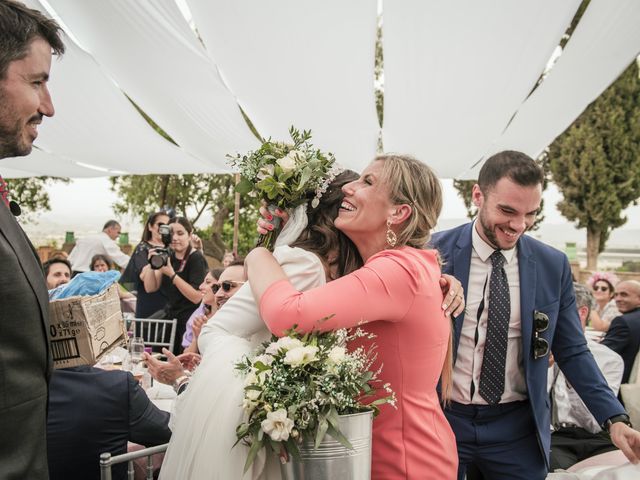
107 461
156 332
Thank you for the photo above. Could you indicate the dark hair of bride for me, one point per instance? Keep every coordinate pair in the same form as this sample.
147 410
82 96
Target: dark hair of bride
323 238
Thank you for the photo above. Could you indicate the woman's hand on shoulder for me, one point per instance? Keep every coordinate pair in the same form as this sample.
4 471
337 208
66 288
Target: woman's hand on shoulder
453 293
264 223
196 241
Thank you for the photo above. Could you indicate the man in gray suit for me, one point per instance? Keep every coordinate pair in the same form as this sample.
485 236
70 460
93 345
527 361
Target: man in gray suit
27 39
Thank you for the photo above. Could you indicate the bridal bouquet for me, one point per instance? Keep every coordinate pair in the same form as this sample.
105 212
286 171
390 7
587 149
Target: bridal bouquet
284 175
297 385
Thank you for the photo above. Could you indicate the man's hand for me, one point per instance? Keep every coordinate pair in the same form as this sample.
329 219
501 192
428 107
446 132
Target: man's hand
189 360
165 372
627 440
453 295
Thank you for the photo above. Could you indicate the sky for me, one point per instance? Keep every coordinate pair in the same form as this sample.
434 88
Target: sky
84 205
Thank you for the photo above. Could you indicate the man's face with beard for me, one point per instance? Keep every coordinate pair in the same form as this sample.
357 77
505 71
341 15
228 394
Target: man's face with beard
24 99
506 211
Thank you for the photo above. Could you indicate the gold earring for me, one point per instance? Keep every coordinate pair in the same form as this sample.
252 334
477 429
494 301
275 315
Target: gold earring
392 238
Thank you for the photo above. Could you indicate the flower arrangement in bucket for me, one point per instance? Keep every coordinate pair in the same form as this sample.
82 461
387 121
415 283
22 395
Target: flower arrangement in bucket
297 386
284 175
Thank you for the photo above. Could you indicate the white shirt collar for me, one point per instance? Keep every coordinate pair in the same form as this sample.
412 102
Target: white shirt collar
484 250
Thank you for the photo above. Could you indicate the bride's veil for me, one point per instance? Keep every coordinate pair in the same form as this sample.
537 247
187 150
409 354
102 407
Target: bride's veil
296 224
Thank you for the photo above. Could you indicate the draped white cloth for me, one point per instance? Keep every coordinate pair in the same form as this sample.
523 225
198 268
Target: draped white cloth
458 79
308 64
149 50
40 162
605 42
95 125
456 72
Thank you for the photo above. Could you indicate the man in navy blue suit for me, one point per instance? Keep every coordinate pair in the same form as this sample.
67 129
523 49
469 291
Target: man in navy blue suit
520 306
623 336
93 411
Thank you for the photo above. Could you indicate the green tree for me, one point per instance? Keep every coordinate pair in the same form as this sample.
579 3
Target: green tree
31 194
190 196
596 162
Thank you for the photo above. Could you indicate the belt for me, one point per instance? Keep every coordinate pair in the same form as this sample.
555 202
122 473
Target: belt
559 425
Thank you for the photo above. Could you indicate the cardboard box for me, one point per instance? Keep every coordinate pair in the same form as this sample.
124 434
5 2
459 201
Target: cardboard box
83 329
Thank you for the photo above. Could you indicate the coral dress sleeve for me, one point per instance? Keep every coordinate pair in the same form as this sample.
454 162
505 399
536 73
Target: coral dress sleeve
383 289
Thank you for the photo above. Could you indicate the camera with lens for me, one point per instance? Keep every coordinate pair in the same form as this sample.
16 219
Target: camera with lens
161 256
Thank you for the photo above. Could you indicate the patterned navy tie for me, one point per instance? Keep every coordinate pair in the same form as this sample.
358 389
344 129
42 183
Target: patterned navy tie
495 348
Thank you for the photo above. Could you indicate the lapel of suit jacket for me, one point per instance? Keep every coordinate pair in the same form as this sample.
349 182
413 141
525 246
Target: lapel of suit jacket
29 261
461 265
528 277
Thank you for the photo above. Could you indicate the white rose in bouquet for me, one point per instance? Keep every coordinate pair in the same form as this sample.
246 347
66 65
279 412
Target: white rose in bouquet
284 343
277 425
336 355
266 171
289 161
264 358
300 356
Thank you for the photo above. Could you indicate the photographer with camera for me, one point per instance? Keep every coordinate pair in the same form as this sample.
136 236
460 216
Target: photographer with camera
176 270
147 303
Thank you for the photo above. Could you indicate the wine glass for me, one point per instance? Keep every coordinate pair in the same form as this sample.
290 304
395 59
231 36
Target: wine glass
136 350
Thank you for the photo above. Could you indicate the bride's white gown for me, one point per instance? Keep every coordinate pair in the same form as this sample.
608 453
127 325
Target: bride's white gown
208 412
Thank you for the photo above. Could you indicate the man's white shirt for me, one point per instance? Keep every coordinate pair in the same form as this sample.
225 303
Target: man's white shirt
470 353
87 247
567 405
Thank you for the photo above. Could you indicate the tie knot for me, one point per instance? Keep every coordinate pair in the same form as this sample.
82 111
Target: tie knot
497 259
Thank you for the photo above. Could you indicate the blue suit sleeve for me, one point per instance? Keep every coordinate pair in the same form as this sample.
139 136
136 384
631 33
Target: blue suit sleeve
617 336
148 425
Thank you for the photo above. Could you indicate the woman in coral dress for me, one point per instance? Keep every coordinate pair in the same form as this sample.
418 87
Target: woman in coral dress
388 213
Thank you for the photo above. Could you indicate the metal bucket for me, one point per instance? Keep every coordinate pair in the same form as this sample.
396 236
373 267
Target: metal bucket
332 460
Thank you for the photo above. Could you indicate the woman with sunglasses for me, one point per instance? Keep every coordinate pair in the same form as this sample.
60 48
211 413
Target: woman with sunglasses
603 285
204 312
147 303
388 213
179 278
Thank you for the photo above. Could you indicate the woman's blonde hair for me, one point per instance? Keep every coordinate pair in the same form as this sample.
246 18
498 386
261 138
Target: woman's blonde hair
413 183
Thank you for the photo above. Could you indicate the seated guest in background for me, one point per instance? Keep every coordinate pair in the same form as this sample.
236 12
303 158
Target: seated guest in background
204 312
104 243
623 335
93 411
577 435
603 285
100 263
57 272
147 303
176 370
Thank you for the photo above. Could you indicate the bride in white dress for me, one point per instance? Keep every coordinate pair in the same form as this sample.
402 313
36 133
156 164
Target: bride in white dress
207 414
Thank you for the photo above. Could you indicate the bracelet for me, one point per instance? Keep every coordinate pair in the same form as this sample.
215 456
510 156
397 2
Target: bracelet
179 382
623 418
173 277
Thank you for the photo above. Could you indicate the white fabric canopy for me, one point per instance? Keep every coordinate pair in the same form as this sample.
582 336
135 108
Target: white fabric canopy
292 62
605 42
458 80
150 52
96 125
456 72
43 163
